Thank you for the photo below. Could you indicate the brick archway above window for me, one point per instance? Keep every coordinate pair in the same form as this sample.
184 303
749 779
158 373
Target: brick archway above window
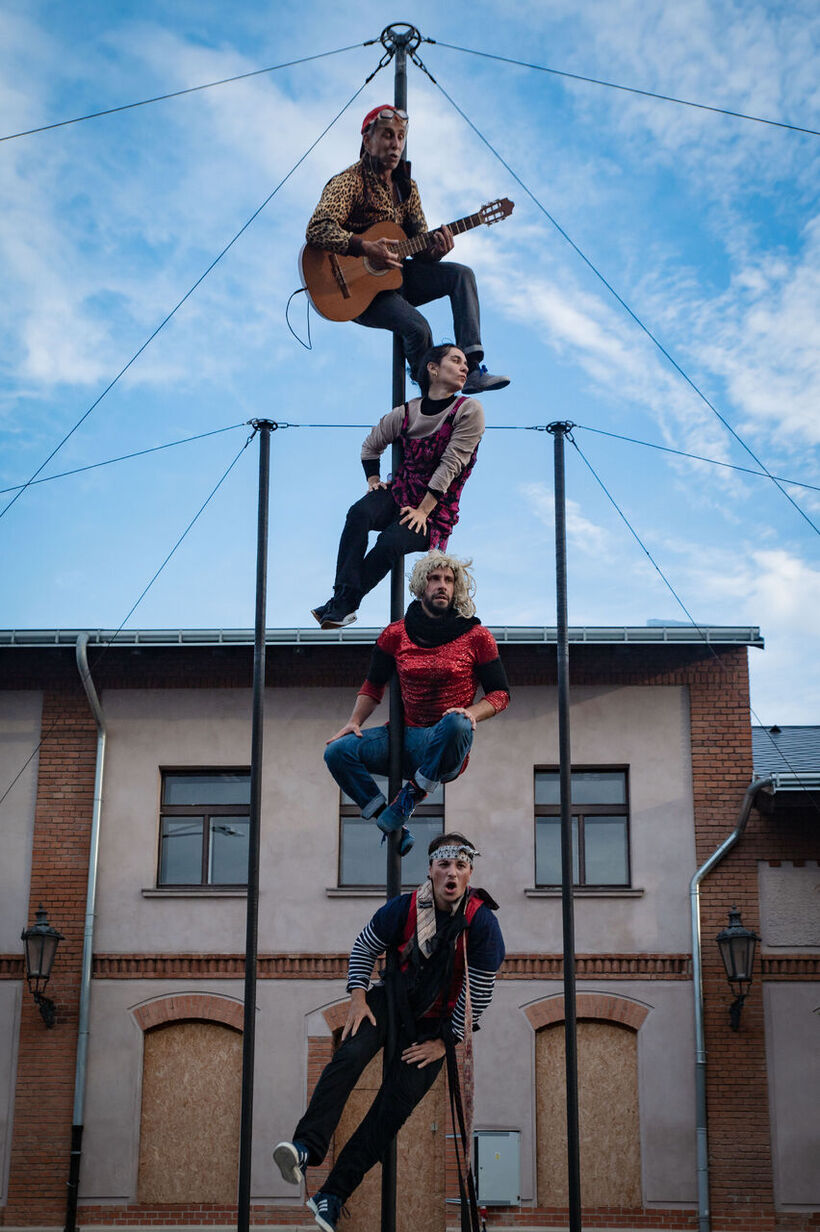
189 1005
336 1015
588 1005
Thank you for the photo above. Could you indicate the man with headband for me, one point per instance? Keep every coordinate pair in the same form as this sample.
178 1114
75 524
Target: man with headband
441 653
443 948
378 188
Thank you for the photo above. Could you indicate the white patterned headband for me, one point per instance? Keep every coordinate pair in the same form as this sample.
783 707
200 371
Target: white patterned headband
454 853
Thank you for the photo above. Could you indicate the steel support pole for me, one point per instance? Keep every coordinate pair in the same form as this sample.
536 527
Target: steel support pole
559 431
264 427
397 39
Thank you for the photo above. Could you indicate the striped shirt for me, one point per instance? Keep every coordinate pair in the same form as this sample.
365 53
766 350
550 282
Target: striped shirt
485 953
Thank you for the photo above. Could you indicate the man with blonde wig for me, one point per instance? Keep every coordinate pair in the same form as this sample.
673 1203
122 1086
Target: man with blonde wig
442 654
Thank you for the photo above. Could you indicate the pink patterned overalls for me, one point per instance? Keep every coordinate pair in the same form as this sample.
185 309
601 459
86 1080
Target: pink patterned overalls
421 457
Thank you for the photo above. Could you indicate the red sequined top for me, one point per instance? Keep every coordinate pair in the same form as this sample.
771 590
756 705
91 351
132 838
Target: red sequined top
435 678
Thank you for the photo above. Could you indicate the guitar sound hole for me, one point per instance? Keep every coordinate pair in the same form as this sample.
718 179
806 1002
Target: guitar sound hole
371 269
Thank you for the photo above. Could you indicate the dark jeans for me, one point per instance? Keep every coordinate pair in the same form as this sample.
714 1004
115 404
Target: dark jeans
423 282
403 1086
357 570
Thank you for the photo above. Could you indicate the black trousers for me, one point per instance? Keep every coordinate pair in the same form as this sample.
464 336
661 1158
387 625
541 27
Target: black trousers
403 1086
357 570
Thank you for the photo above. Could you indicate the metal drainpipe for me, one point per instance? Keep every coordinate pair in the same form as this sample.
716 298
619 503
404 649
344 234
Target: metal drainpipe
704 1214
88 942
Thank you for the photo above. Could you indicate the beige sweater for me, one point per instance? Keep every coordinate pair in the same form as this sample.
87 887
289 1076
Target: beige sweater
468 429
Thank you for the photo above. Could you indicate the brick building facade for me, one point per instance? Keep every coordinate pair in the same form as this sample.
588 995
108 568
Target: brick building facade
668 713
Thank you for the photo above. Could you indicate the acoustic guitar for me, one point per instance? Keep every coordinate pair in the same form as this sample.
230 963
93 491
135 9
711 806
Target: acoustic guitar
340 288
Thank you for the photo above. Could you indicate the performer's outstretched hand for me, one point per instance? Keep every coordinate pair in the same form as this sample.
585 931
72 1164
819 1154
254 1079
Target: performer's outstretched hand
423 1054
359 1010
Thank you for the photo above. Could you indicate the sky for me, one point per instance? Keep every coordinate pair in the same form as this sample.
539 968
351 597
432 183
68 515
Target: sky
706 226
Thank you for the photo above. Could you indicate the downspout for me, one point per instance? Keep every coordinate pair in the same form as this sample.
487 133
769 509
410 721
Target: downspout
704 1215
88 942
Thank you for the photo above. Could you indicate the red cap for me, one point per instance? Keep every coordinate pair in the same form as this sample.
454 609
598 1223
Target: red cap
388 107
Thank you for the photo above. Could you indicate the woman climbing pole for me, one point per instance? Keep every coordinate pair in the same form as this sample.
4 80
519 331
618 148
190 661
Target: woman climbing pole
440 433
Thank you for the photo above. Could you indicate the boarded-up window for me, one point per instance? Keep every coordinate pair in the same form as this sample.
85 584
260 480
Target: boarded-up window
608 1116
420 1148
189 1133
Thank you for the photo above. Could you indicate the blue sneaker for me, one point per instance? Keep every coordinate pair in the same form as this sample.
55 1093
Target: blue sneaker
326 1209
407 841
480 381
291 1158
400 810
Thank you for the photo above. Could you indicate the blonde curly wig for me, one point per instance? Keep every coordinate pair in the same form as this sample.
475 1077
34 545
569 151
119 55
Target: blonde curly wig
464 590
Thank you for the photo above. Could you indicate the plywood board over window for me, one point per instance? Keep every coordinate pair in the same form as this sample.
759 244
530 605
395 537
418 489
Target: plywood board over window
607 1112
421 1159
189 1131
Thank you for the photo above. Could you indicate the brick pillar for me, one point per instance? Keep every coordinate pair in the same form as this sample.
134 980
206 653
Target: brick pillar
44 1095
740 1163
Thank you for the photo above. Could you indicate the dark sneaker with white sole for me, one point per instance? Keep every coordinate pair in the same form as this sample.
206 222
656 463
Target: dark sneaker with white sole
326 1209
480 381
331 616
291 1158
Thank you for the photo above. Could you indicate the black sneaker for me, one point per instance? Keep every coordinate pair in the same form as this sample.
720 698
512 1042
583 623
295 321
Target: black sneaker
326 1209
480 381
331 616
291 1158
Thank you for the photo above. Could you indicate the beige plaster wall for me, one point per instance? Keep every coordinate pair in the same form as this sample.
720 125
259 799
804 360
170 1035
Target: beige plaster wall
793 1060
646 729
19 735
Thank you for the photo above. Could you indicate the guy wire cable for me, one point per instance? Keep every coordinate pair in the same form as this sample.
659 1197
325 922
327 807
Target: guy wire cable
125 457
612 85
208 85
682 605
645 328
135 605
697 457
186 296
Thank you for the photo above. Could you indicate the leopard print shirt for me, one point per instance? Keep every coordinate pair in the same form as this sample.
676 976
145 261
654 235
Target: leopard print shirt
355 200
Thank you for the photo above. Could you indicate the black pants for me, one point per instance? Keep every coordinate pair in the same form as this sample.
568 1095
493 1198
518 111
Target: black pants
357 570
403 1086
424 281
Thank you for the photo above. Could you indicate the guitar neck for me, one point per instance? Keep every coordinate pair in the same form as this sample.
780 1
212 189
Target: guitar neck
418 243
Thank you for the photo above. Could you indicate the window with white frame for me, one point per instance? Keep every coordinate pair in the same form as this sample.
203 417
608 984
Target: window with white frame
203 828
363 859
600 827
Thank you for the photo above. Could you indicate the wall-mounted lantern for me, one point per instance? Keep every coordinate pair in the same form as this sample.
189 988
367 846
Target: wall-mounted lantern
737 949
41 941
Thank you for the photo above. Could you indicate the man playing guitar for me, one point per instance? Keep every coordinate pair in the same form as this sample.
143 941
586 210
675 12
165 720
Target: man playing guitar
377 189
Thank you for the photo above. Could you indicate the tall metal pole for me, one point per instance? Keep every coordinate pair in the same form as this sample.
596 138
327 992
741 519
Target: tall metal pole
264 427
559 431
398 39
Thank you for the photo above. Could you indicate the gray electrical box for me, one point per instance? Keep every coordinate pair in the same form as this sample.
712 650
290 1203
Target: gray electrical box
497 1166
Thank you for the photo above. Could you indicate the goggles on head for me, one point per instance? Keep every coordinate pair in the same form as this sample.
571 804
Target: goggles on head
384 112
455 852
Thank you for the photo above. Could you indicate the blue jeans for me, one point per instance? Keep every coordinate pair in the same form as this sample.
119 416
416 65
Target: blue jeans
432 755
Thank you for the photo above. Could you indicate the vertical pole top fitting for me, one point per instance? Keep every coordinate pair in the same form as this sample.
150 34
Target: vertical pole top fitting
560 427
400 36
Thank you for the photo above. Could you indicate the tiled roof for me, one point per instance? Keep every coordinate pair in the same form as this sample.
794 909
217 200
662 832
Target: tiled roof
793 750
